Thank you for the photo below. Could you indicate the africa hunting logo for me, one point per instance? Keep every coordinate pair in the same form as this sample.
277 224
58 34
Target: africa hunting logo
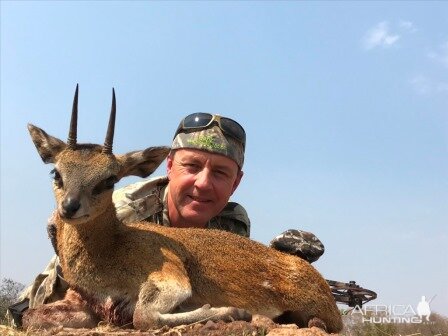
394 313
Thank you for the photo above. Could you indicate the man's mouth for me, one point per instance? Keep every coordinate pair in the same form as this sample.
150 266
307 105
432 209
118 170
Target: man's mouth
199 199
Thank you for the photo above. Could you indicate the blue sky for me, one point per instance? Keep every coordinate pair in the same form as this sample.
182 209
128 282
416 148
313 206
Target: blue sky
344 103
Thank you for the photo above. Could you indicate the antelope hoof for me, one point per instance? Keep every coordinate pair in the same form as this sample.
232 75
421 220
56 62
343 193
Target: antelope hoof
230 314
317 322
239 314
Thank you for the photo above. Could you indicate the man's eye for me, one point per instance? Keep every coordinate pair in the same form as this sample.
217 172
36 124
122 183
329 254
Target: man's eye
221 173
192 166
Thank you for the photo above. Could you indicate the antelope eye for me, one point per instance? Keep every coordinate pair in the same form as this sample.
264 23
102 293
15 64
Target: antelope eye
57 178
105 184
110 181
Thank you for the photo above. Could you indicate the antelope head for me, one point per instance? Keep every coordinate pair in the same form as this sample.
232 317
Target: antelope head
85 174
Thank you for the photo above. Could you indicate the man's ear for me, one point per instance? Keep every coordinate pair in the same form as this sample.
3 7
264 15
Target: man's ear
239 176
142 163
169 163
47 145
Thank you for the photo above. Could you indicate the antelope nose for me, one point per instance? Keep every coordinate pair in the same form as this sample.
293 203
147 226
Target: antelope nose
69 207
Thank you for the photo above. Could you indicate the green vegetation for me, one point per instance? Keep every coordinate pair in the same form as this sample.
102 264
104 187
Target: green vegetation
9 292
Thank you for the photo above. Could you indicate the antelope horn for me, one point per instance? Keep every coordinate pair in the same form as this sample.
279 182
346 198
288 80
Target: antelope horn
107 148
71 141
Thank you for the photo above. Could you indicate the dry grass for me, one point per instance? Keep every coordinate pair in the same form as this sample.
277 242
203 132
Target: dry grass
237 328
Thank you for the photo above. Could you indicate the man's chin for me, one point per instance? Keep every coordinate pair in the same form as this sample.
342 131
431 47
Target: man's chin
196 217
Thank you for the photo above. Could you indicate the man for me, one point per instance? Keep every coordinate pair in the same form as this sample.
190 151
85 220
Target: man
204 168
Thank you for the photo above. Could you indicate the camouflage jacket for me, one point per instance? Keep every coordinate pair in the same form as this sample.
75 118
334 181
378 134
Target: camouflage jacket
141 201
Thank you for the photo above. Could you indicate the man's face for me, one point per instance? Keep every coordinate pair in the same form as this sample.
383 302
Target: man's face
200 186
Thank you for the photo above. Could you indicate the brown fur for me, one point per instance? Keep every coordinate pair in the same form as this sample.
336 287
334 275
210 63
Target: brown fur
151 275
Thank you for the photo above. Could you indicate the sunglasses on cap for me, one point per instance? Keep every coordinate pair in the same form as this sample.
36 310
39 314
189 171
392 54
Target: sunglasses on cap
202 120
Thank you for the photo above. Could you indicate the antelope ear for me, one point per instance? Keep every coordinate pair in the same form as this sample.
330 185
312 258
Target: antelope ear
142 163
47 145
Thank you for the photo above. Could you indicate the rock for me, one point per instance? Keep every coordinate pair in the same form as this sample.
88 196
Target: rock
261 321
293 330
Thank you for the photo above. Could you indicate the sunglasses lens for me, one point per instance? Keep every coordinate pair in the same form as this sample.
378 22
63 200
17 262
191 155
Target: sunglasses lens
196 120
234 129
203 120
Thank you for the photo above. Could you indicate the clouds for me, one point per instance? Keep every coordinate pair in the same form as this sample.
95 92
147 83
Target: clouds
407 26
381 35
425 82
425 86
437 83
441 55
421 84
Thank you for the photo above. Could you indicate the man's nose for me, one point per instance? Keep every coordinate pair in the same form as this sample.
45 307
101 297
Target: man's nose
203 179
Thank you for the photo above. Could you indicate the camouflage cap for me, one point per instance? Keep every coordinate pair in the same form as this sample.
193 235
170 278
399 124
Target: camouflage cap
212 140
300 243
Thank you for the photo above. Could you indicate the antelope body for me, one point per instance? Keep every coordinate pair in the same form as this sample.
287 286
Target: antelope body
150 275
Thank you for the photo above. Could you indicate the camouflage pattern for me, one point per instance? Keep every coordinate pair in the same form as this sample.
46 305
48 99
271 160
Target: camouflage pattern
232 218
300 243
141 201
212 140
49 286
